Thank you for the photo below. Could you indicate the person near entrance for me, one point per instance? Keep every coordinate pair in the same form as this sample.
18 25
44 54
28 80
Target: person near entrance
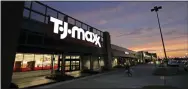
128 69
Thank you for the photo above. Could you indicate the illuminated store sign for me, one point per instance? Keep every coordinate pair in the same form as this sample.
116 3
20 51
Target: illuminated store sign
63 27
126 52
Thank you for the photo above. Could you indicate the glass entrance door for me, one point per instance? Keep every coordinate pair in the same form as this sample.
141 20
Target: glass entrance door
72 63
67 65
75 65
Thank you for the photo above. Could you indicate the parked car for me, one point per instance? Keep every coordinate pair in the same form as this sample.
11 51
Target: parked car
174 63
186 66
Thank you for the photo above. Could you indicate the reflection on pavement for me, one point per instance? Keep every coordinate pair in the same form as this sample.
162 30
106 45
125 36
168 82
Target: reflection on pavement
32 81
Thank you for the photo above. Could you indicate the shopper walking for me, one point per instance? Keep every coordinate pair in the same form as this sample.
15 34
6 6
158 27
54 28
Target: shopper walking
128 70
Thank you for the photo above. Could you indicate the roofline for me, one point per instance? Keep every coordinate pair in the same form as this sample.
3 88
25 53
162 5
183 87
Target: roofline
65 14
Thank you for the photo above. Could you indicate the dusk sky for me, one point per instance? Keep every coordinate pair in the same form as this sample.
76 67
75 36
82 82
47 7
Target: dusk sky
132 25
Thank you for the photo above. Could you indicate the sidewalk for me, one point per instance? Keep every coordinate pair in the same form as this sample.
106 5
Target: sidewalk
38 81
78 79
32 81
118 79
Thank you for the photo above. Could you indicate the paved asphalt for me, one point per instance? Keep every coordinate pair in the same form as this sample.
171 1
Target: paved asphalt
142 76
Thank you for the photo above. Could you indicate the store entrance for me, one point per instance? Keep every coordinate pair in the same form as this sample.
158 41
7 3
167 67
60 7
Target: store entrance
72 63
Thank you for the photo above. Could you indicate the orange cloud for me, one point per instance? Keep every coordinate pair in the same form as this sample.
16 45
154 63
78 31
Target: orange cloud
174 47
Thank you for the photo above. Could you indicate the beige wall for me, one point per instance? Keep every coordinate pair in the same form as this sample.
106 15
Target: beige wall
101 62
114 62
85 62
95 63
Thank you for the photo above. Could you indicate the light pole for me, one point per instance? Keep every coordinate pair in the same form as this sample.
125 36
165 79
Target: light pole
156 9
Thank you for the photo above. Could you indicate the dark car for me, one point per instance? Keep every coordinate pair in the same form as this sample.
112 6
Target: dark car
186 66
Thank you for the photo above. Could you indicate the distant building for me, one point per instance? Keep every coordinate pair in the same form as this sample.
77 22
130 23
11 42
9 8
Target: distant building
146 56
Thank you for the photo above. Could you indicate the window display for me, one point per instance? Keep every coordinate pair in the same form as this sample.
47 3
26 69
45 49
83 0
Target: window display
47 61
73 57
77 65
28 62
67 57
32 62
19 57
18 62
38 61
77 57
67 65
56 62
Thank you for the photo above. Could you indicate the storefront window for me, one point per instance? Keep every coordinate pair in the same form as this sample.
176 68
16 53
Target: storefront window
78 24
75 65
77 57
28 62
51 12
73 57
94 31
61 16
67 65
101 34
102 39
37 17
71 21
27 4
18 62
72 63
67 57
38 61
84 26
33 62
90 29
38 7
98 32
26 13
19 57
47 62
56 62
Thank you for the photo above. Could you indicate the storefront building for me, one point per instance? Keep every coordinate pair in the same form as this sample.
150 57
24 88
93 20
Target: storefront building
146 56
122 56
51 41
43 48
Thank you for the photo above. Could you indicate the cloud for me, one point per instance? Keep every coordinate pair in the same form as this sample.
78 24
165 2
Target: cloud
176 50
101 22
172 46
96 14
170 32
146 37
136 32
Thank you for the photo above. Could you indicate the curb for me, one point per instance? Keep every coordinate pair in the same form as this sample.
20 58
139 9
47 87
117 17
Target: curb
68 81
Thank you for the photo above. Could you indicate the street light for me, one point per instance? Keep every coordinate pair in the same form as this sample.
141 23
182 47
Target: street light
156 9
